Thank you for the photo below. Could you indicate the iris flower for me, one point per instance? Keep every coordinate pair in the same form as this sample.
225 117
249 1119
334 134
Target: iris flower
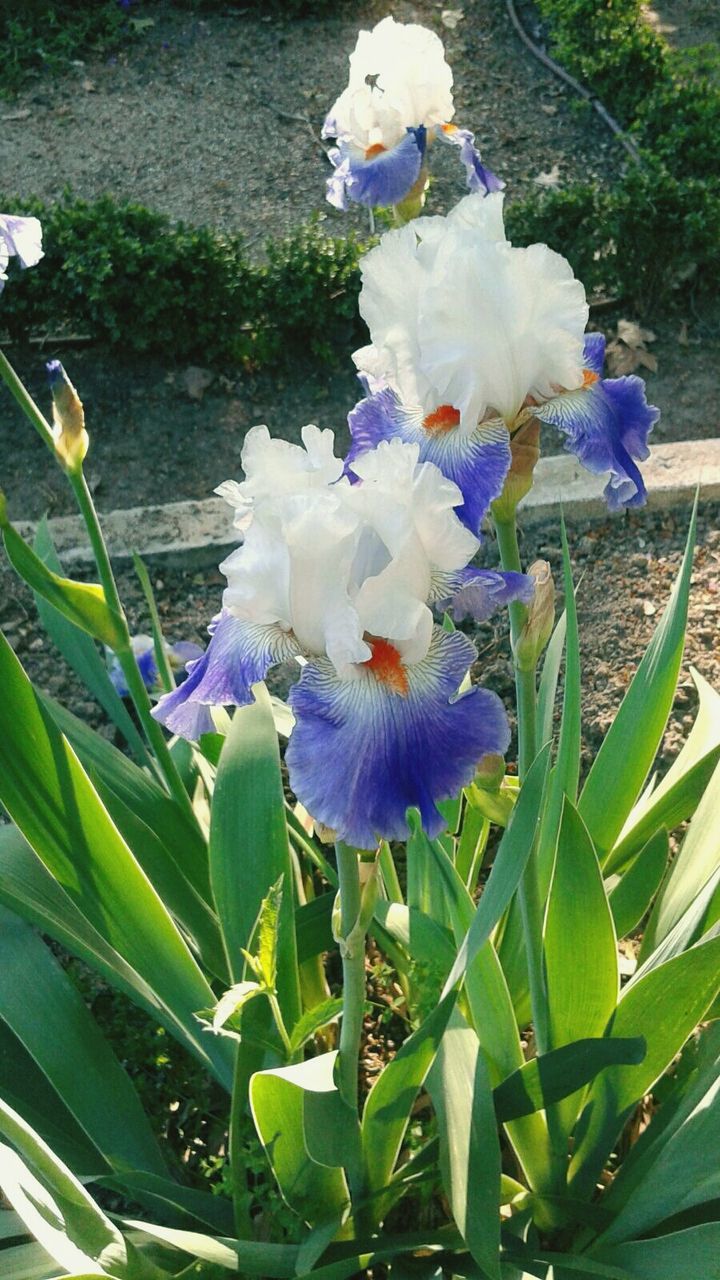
20 238
398 99
343 576
178 655
471 339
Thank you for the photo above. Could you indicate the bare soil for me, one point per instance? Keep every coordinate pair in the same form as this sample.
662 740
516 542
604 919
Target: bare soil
216 120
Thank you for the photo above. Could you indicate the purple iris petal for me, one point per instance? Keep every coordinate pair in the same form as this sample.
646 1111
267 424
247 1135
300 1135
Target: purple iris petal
479 178
238 656
477 593
594 352
478 462
606 426
384 179
363 751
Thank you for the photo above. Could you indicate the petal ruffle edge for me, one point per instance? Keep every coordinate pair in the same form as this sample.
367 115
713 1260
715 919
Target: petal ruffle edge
361 754
384 179
477 593
479 177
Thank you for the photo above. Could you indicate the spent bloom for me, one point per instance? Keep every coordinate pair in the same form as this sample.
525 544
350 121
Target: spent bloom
343 576
471 339
20 238
398 99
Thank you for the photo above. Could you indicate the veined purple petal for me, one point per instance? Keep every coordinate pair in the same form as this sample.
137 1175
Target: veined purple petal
383 179
479 178
477 593
606 426
478 462
239 655
365 750
594 352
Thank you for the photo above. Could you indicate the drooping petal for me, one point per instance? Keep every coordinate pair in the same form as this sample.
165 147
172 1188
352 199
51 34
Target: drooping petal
606 426
21 238
239 655
477 593
364 750
382 179
479 178
477 460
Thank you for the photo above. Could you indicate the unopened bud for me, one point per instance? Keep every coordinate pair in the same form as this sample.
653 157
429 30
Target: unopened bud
490 773
71 438
540 617
525 451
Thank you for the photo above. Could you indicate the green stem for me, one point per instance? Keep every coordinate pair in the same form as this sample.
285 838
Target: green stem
353 963
26 402
525 685
125 655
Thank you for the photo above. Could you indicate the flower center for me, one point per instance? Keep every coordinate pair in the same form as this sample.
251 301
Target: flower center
387 665
374 150
444 418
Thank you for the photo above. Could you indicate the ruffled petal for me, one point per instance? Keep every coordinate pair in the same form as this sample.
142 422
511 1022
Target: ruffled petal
239 655
383 179
364 750
594 352
606 426
477 593
479 178
477 461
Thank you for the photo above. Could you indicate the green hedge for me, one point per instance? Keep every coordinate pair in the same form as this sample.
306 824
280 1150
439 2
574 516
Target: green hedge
135 279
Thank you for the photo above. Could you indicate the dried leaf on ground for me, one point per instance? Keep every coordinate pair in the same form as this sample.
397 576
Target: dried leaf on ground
549 179
628 351
195 381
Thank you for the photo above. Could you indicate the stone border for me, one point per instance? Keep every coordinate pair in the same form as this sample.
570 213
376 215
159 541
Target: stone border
198 534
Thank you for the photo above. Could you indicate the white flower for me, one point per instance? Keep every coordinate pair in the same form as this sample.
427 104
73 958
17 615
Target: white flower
332 563
459 317
399 79
20 237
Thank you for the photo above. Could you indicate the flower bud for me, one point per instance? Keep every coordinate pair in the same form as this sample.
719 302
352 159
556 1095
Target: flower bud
540 617
71 438
525 451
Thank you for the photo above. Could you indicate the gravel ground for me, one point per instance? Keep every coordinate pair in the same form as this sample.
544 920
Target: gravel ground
627 566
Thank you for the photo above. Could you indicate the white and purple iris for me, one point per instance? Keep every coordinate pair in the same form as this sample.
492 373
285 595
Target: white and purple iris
343 576
398 99
20 238
471 338
178 655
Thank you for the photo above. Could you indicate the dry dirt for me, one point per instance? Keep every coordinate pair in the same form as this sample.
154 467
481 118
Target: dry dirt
180 120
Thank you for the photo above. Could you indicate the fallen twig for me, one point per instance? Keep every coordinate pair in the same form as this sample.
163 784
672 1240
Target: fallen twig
574 84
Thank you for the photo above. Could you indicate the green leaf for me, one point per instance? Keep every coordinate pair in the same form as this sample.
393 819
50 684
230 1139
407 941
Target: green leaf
630 898
567 766
421 936
44 1010
82 603
663 1006
697 862
680 791
512 855
54 1206
681 1175
267 933
580 946
249 849
187 1206
459 1085
313 1020
630 745
80 652
294 1109
159 648
668 1257
553 1076
547 688
252 1257
389 1104
29 1262
49 796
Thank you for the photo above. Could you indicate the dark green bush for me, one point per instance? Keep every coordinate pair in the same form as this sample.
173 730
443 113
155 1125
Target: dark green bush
39 35
135 279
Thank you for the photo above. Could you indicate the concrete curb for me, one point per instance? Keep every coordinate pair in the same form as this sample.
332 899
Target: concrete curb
199 533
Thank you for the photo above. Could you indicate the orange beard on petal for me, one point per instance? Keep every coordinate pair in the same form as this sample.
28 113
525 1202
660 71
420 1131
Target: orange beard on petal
374 150
387 665
444 418
589 377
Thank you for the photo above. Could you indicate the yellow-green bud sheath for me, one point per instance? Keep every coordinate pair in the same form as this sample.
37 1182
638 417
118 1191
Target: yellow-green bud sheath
540 619
69 434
